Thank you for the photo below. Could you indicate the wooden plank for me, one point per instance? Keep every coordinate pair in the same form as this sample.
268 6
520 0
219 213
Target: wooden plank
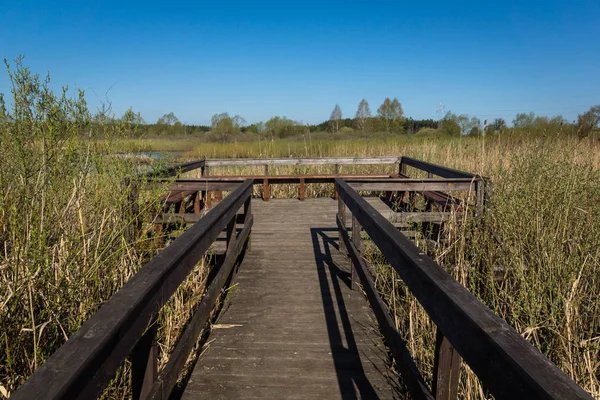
414 185
89 359
281 179
418 217
508 365
204 185
301 161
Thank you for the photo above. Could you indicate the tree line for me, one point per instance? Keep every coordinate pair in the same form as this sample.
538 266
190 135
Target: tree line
389 118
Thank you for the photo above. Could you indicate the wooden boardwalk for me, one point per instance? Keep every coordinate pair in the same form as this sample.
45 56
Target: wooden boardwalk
292 327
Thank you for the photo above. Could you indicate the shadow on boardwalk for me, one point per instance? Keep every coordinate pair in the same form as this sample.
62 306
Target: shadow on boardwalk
351 376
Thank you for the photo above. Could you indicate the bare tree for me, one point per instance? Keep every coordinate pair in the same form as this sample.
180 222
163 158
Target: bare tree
362 113
336 116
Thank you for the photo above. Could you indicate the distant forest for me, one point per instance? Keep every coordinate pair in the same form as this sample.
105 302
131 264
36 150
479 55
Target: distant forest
389 119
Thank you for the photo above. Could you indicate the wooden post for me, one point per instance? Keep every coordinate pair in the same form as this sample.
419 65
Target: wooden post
337 172
144 363
136 220
358 244
446 369
266 184
479 195
197 202
402 168
247 214
218 195
180 205
342 215
207 193
266 189
159 235
230 232
301 193
428 202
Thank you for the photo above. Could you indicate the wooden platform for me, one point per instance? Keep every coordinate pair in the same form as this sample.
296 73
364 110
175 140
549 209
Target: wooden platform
293 329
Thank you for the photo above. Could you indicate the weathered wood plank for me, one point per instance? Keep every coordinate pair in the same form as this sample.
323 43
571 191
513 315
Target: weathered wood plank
414 185
204 185
301 161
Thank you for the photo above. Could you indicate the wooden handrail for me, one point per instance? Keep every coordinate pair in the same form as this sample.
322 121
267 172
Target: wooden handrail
83 366
434 169
301 161
507 365
175 169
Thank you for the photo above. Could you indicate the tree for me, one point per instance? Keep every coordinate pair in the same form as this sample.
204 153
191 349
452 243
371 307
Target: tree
524 121
464 123
391 112
498 124
336 116
588 121
449 125
168 119
282 127
257 128
131 121
362 114
224 126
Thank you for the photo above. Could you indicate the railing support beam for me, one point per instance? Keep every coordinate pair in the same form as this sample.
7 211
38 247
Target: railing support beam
144 363
446 369
358 244
342 215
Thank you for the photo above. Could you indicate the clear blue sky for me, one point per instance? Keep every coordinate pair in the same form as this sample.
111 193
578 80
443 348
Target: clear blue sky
299 58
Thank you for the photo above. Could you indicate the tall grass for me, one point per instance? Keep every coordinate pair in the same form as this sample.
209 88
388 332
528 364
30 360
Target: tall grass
65 242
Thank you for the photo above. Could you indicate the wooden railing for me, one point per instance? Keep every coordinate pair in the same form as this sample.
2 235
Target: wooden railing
507 365
176 169
481 185
126 325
